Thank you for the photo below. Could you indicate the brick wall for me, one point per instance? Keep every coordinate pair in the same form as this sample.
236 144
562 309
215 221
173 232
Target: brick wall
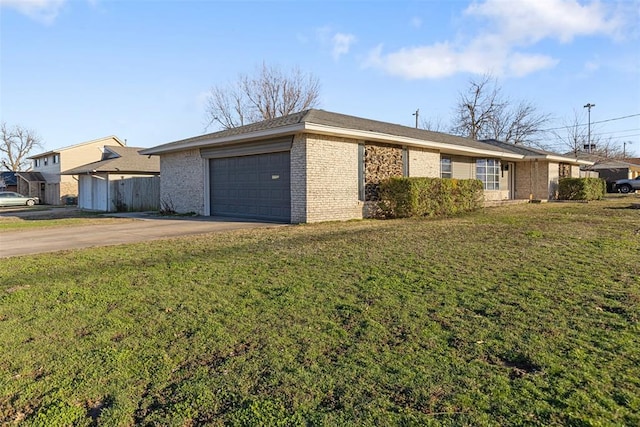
182 181
299 179
331 179
424 163
553 174
532 179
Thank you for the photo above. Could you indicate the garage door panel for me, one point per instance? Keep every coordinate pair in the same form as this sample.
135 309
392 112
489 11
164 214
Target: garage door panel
256 186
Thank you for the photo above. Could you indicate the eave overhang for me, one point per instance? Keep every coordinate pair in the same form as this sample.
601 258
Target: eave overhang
318 129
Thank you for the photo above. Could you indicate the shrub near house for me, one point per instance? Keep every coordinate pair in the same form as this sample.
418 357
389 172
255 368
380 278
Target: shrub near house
407 197
581 189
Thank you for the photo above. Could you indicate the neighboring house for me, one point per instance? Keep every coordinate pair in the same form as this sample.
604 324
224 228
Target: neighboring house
122 180
46 180
317 166
8 181
612 170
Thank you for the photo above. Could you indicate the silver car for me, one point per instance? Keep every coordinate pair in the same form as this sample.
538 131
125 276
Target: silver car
628 185
9 198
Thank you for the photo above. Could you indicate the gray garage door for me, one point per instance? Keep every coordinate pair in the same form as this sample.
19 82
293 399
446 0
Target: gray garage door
255 186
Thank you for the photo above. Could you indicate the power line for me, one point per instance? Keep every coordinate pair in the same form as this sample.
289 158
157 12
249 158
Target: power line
593 123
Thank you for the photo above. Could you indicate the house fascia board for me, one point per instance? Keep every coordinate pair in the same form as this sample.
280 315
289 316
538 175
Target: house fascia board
382 137
191 144
560 159
331 131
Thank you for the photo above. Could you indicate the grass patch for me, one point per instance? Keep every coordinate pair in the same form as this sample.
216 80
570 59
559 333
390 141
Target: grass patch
47 217
527 314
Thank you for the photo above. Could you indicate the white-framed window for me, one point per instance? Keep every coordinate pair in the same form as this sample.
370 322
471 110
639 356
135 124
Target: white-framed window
36 163
488 171
46 161
446 167
56 159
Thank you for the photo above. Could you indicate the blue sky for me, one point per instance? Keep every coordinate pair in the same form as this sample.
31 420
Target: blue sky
76 70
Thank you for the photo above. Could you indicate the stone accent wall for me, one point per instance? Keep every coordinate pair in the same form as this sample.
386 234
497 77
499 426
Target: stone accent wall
331 179
299 179
424 163
381 161
182 181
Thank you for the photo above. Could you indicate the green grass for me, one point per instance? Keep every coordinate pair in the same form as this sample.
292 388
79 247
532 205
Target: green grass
520 315
56 218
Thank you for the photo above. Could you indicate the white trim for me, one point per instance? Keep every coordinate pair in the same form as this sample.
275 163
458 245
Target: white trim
383 137
448 148
213 140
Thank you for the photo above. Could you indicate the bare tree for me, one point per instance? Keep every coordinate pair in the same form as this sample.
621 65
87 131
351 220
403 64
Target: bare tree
606 148
483 112
435 125
477 107
268 94
573 134
520 124
17 142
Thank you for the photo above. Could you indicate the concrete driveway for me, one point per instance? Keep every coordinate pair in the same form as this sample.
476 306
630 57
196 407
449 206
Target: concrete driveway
137 228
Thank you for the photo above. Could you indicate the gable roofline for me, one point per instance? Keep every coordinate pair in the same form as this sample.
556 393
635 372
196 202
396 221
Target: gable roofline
321 122
69 147
335 124
531 153
127 160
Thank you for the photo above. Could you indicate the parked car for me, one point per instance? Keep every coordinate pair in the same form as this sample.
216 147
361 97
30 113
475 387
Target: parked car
628 185
9 198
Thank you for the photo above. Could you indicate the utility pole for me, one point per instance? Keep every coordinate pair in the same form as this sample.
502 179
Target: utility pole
624 148
417 113
588 107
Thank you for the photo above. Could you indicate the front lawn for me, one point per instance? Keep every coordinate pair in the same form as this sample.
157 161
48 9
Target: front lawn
45 217
520 315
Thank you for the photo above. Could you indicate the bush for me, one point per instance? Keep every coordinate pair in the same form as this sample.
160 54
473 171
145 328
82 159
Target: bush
581 189
407 197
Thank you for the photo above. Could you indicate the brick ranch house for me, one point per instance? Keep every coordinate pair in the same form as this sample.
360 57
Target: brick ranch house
317 165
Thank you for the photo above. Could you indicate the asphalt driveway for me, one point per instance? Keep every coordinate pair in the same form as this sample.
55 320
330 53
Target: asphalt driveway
135 229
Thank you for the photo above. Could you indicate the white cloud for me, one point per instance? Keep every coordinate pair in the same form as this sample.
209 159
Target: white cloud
44 11
341 44
529 21
507 28
416 22
443 60
520 64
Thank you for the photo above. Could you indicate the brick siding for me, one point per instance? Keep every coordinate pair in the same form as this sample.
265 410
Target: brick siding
298 158
424 163
182 181
331 179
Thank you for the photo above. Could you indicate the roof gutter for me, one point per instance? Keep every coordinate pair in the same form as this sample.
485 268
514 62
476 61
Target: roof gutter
382 137
562 159
202 141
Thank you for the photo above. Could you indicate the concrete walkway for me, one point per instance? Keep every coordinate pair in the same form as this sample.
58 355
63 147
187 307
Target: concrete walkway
136 229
